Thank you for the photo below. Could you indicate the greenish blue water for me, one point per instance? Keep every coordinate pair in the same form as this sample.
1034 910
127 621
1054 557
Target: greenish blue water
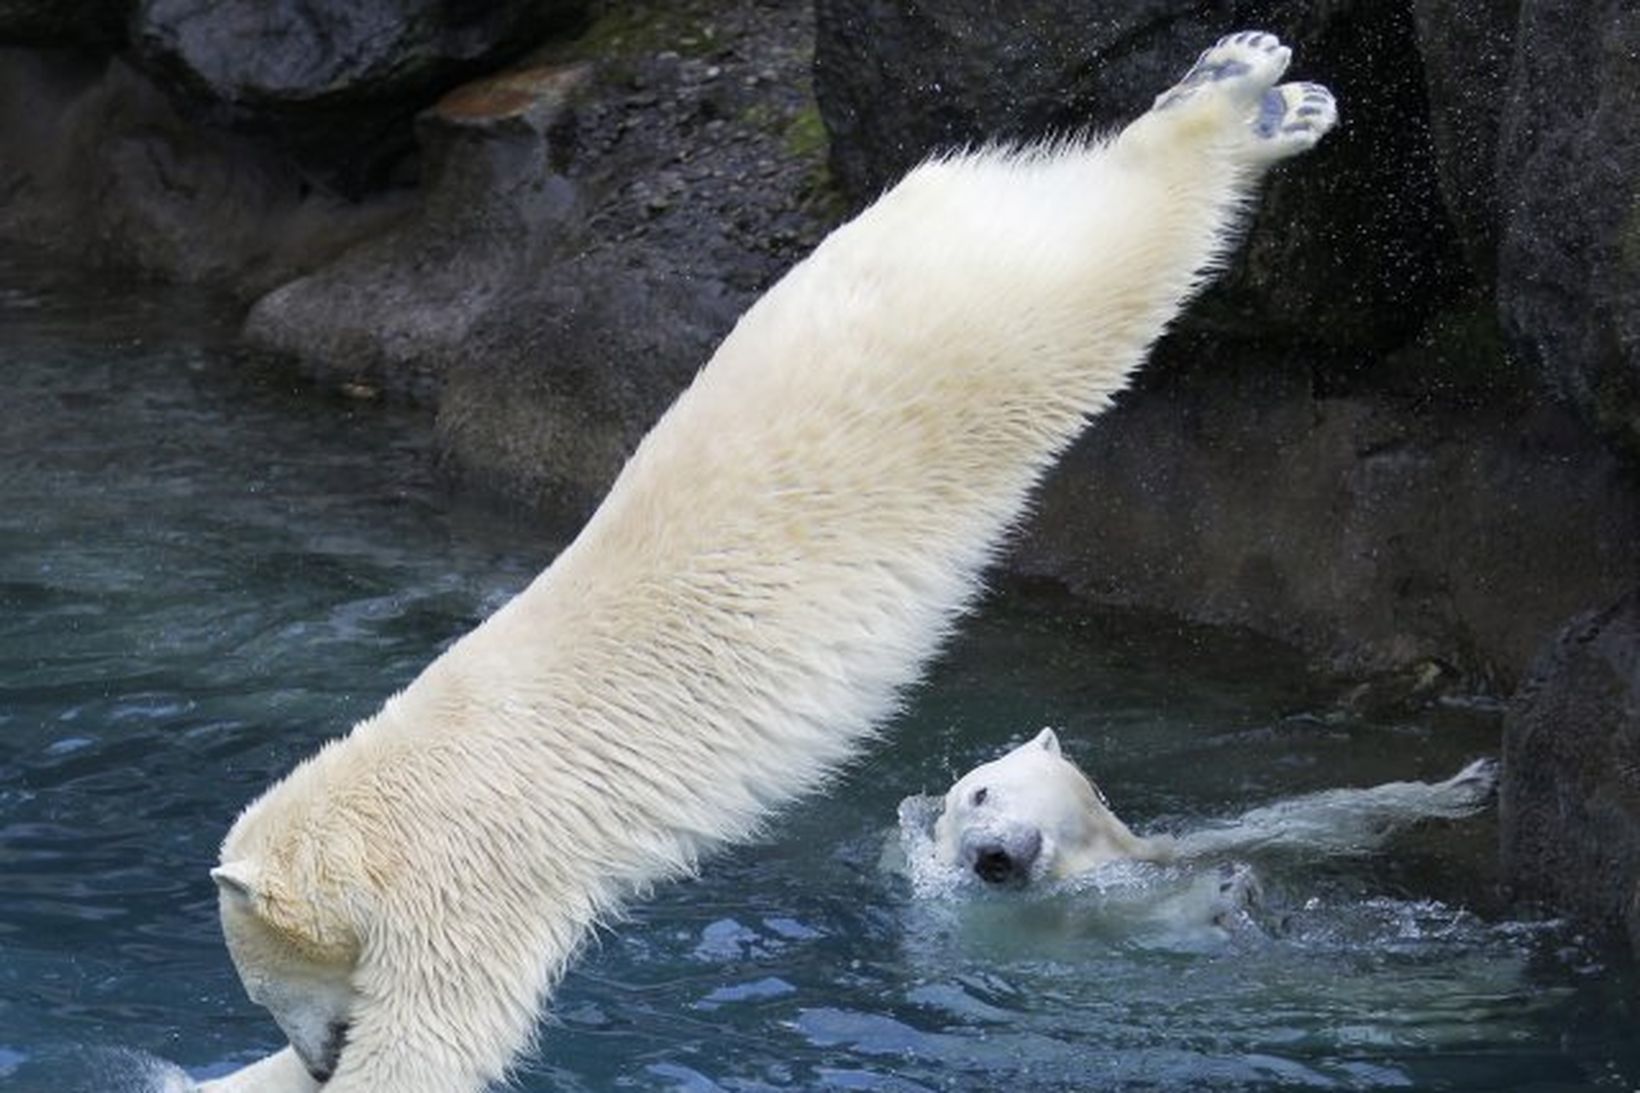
205 570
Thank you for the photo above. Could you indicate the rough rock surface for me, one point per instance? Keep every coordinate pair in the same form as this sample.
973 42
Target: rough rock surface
1351 249
697 155
1570 794
1374 535
98 165
1569 178
337 82
493 206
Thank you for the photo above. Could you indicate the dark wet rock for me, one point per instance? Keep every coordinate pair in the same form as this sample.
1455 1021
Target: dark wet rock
94 24
1467 52
1351 247
1569 179
339 80
1376 537
96 164
1569 799
391 312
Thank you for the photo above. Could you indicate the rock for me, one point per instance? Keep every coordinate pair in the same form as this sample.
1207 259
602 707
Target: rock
1323 264
571 269
895 82
1569 800
337 80
393 310
97 165
1569 180
95 24
1373 536
556 384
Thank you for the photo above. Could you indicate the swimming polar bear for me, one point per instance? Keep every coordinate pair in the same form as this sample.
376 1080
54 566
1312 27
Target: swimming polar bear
1032 817
778 560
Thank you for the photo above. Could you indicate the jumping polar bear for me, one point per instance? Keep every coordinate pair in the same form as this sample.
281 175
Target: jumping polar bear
1032 817
778 560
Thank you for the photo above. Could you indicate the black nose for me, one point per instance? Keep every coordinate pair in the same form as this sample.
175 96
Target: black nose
335 1039
994 865
1004 859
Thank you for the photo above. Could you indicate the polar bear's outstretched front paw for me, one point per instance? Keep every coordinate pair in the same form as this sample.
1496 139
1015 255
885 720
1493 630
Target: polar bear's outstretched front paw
1241 66
1233 84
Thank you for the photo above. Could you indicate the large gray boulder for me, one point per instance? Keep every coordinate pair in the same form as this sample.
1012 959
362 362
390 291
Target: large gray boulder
98 165
392 311
555 385
1569 179
1569 799
337 81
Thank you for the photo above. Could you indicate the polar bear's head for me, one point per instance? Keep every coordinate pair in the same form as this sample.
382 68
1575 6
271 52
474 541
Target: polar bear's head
1030 816
306 987
291 898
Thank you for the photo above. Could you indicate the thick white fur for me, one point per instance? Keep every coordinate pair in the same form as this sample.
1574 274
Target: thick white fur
1347 820
779 558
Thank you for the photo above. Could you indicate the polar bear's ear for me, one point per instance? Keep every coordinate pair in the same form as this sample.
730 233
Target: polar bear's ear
1048 741
237 878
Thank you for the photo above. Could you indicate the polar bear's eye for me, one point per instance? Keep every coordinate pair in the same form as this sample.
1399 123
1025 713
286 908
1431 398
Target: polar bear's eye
979 796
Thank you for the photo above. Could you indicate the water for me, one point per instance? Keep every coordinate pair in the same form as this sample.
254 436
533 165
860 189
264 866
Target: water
205 570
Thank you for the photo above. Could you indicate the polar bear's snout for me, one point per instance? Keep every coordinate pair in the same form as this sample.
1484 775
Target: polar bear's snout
330 1054
1002 859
